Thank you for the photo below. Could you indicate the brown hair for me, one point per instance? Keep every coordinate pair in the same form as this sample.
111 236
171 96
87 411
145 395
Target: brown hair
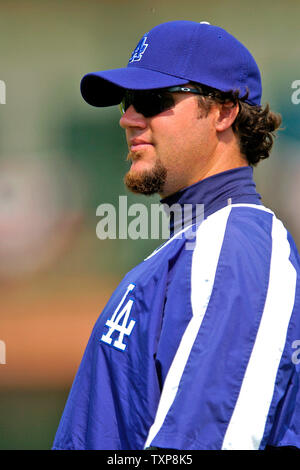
254 125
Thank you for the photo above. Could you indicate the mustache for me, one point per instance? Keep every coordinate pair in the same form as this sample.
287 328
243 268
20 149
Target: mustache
132 156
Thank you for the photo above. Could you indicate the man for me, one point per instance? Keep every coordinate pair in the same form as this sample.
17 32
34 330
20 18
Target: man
196 347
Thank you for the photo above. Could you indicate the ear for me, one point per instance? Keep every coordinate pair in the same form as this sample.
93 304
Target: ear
226 116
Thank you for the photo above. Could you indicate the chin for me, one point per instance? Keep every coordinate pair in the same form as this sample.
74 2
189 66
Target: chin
148 181
139 166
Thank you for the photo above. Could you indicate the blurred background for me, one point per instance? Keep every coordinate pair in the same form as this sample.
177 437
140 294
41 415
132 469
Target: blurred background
60 159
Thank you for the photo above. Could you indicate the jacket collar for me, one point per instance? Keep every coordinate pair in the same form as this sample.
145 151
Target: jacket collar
209 195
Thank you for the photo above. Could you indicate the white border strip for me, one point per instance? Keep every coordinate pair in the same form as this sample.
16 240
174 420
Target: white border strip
246 427
206 254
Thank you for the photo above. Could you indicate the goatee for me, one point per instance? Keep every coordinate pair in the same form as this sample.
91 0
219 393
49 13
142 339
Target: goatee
147 182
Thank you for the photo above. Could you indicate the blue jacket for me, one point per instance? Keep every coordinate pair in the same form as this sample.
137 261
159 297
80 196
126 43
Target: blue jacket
199 345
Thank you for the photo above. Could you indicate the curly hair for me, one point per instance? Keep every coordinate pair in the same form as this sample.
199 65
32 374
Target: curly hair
254 125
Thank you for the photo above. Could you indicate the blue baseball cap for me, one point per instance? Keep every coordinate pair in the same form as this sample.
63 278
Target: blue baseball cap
175 53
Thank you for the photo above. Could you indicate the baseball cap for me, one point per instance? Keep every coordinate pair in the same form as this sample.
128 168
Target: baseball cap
175 53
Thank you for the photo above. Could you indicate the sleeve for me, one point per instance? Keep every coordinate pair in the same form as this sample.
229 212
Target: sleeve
233 383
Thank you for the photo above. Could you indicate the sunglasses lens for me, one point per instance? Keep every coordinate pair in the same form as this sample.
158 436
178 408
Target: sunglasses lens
147 103
126 102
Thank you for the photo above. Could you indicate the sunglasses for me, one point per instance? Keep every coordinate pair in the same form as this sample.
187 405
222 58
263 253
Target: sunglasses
149 103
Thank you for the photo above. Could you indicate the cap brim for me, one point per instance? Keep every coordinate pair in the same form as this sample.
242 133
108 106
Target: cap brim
107 88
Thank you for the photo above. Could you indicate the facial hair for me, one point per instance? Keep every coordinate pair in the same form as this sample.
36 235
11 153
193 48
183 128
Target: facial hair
147 182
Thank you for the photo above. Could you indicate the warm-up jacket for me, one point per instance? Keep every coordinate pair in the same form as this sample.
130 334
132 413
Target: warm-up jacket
199 345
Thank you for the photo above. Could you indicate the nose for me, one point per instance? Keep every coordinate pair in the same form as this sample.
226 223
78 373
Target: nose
131 118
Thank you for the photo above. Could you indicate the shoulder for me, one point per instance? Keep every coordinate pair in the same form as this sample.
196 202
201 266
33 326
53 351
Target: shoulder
237 244
245 238
242 218
237 228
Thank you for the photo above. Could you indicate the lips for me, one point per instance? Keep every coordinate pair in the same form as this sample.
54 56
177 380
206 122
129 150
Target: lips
137 144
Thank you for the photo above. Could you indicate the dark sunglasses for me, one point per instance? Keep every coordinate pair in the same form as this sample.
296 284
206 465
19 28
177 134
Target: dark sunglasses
149 103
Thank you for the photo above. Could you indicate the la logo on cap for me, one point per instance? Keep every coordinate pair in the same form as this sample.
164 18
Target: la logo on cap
139 50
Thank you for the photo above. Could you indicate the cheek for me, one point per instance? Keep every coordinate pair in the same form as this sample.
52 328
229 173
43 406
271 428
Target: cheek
183 139
202 136
171 150
170 135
